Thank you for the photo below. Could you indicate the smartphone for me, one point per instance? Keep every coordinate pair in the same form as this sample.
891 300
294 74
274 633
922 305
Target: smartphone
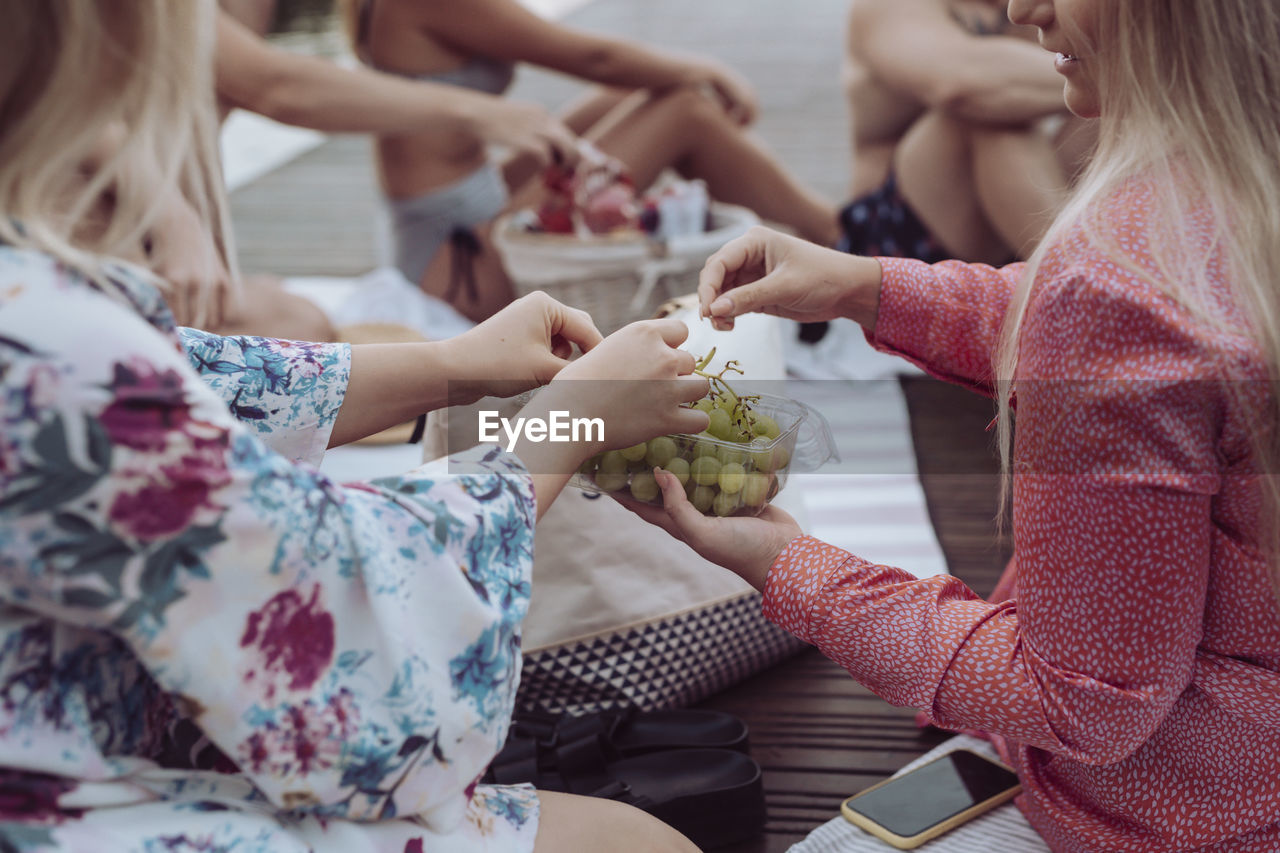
908 810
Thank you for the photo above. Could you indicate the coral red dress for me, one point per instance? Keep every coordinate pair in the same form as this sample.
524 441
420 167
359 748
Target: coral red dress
1135 675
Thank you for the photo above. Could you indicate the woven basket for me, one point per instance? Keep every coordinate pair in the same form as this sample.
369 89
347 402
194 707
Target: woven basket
616 278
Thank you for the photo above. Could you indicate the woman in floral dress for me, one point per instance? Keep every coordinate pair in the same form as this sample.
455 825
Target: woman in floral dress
205 644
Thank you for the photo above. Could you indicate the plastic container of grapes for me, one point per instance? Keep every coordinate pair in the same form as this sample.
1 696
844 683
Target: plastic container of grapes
804 443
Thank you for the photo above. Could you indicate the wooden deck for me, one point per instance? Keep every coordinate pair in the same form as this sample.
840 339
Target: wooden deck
819 735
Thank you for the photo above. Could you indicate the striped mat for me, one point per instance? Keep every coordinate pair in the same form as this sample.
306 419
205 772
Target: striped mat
870 502
1001 830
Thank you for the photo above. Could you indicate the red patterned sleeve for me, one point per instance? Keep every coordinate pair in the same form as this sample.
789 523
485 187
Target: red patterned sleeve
944 318
1114 480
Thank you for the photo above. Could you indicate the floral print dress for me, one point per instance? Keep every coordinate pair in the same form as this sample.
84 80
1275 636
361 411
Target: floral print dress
205 644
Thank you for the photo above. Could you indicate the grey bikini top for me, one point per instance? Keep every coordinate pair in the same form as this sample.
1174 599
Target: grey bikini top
480 73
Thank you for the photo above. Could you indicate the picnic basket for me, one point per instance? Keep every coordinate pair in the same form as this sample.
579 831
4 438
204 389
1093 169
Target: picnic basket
616 278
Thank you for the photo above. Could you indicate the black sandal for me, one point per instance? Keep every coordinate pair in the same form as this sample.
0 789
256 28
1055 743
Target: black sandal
715 796
632 732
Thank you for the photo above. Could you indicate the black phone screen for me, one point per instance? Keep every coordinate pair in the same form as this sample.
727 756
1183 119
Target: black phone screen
928 795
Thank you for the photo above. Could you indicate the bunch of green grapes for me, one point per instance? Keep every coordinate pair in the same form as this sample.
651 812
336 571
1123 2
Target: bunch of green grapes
730 468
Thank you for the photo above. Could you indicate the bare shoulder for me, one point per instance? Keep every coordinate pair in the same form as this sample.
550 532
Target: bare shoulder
867 17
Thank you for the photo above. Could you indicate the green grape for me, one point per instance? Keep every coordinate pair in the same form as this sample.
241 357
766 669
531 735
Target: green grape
704 405
635 452
588 467
611 474
721 425
679 467
766 426
755 489
762 455
705 470
644 488
612 462
611 482
702 497
661 451
725 504
731 455
781 458
731 478
706 447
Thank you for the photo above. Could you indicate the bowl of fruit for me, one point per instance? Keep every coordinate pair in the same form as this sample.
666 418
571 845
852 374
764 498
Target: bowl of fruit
734 467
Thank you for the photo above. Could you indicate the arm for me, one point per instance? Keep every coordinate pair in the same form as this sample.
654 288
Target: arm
354 649
916 47
1113 488
506 30
945 318
178 247
311 92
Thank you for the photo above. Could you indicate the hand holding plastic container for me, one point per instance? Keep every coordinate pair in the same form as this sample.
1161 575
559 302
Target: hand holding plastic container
735 467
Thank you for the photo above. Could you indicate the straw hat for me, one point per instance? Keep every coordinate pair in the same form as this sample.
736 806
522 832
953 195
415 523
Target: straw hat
383 333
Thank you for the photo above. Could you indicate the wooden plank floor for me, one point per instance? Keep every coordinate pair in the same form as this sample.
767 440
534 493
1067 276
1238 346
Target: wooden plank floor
818 735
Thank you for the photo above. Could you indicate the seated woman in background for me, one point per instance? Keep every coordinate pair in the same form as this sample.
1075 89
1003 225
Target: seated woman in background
204 642
1132 676
311 92
660 111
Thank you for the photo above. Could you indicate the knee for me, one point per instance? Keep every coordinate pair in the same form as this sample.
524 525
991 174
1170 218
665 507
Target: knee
267 309
692 108
570 822
987 134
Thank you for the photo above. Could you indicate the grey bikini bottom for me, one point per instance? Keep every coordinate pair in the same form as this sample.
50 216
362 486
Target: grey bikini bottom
420 226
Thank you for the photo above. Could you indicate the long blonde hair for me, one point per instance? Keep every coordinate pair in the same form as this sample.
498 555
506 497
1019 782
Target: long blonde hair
74 73
1190 103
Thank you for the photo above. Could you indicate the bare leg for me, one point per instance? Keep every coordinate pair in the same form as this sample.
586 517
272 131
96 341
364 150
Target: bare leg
568 822
986 193
1020 184
934 167
257 15
268 310
686 131
584 113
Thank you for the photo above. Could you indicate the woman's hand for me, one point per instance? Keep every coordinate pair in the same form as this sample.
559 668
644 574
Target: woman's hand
636 382
745 546
770 273
527 129
521 347
730 88
181 251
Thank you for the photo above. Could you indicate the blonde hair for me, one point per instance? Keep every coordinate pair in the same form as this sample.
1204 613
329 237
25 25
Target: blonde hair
76 73
1190 103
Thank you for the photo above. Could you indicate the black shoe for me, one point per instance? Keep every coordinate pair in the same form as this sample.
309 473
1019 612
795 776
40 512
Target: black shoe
811 333
686 768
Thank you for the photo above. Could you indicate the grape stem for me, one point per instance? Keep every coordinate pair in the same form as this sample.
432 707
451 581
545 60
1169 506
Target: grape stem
739 407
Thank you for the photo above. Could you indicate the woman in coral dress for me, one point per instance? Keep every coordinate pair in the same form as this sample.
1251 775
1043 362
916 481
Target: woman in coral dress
1132 677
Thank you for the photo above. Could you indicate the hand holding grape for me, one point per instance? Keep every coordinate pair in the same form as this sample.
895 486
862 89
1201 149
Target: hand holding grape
637 381
768 272
521 347
745 545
